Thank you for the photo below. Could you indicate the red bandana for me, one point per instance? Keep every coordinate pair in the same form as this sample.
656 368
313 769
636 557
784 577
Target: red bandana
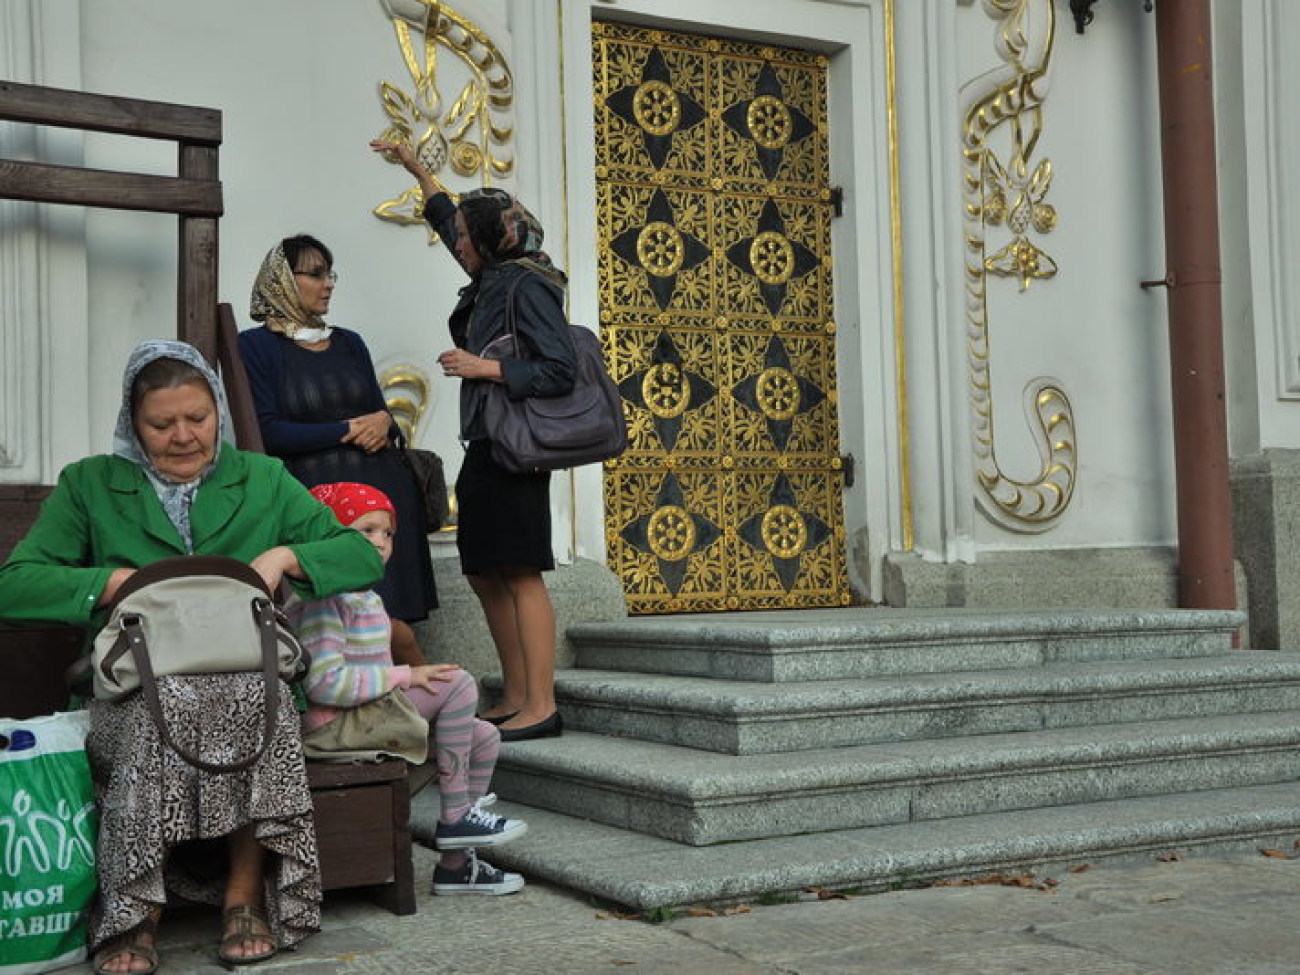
350 500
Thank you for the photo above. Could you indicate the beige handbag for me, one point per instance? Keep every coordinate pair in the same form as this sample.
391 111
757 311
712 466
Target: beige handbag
194 615
389 725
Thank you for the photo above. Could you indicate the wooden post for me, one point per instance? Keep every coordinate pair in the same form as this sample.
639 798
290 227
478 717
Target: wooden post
196 281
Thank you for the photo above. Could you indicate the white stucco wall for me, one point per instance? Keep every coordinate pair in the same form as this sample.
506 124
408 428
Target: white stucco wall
297 81
1090 327
1267 304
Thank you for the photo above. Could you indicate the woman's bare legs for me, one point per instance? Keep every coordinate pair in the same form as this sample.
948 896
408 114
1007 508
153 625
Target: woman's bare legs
536 618
244 886
499 610
521 619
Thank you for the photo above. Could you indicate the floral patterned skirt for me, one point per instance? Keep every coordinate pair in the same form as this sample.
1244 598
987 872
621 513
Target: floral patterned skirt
156 809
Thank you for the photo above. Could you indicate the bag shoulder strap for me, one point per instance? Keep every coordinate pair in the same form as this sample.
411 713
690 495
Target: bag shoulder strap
512 313
264 613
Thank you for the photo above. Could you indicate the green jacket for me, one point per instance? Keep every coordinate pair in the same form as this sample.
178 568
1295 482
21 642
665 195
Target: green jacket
104 515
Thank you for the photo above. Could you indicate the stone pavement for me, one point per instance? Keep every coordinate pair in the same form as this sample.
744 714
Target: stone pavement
1237 914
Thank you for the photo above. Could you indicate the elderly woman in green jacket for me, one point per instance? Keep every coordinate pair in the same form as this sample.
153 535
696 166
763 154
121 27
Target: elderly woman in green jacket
171 487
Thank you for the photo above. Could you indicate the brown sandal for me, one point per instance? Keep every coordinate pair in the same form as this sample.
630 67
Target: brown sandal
239 925
130 944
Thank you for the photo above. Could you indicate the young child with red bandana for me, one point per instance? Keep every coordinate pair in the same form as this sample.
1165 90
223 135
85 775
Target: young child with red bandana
349 639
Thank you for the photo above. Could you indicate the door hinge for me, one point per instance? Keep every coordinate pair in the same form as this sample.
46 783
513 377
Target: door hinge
848 468
837 200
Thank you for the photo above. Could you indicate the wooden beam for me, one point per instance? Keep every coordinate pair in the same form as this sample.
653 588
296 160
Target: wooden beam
44 183
105 113
196 282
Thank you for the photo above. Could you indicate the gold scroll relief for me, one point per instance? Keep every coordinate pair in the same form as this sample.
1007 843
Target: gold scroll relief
1013 195
470 134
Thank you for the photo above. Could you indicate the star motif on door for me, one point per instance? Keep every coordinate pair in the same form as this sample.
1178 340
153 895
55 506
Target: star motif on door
667 390
784 533
778 393
660 249
769 121
671 533
772 257
656 107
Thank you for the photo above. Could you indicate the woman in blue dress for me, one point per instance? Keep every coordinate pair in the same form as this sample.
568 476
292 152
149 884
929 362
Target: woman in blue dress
322 412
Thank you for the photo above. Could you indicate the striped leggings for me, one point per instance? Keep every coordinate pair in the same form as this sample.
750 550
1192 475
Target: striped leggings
464 747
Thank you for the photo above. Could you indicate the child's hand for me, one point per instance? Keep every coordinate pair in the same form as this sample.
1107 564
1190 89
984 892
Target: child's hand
429 676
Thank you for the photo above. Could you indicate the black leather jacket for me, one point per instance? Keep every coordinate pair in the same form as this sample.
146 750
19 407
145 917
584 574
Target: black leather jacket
545 365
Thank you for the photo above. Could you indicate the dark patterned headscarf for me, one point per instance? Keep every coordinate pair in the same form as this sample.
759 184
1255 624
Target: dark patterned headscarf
502 229
276 301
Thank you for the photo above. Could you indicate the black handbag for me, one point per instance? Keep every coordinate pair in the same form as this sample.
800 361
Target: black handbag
546 433
426 468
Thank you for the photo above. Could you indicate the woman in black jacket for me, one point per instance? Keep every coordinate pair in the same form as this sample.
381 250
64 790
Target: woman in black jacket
504 528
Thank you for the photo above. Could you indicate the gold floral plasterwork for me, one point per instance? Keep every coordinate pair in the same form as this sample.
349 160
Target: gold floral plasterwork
1009 101
471 134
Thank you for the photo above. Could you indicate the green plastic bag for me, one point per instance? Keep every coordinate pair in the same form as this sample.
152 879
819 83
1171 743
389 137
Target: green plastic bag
47 842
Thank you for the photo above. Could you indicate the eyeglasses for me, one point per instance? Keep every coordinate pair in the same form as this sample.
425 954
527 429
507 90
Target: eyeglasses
320 274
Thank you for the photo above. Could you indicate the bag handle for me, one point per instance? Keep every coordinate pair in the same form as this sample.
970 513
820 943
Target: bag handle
78 674
181 566
264 613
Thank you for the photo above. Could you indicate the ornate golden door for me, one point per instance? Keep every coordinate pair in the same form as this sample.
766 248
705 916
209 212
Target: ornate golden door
715 292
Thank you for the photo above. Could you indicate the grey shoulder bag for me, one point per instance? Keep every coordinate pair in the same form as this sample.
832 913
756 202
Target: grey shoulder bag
546 433
195 615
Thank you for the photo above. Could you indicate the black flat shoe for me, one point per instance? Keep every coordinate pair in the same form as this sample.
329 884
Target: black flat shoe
551 727
498 718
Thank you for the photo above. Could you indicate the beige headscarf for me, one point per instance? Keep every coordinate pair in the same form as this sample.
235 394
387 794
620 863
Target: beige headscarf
276 302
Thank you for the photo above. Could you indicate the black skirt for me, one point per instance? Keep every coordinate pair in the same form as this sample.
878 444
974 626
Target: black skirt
504 519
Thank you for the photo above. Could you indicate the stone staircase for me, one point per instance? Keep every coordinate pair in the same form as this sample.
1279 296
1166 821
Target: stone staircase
728 756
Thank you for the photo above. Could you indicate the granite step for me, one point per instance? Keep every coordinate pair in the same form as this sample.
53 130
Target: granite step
646 872
865 642
753 717
700 798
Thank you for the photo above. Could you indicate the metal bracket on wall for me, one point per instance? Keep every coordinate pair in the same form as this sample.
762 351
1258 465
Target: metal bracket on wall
1082 10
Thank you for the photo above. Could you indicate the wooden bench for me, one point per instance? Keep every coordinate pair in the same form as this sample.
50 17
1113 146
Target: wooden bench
33 659
363 813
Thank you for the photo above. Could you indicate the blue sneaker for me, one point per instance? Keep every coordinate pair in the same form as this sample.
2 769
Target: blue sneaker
478 827
475 877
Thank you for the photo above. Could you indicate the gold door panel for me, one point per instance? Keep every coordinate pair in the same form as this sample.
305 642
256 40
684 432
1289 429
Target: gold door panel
716 311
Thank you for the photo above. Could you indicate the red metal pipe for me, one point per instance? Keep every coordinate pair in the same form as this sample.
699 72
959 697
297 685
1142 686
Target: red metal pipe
1191 201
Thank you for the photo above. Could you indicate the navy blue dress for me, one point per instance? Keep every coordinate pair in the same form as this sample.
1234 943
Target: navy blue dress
303 401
